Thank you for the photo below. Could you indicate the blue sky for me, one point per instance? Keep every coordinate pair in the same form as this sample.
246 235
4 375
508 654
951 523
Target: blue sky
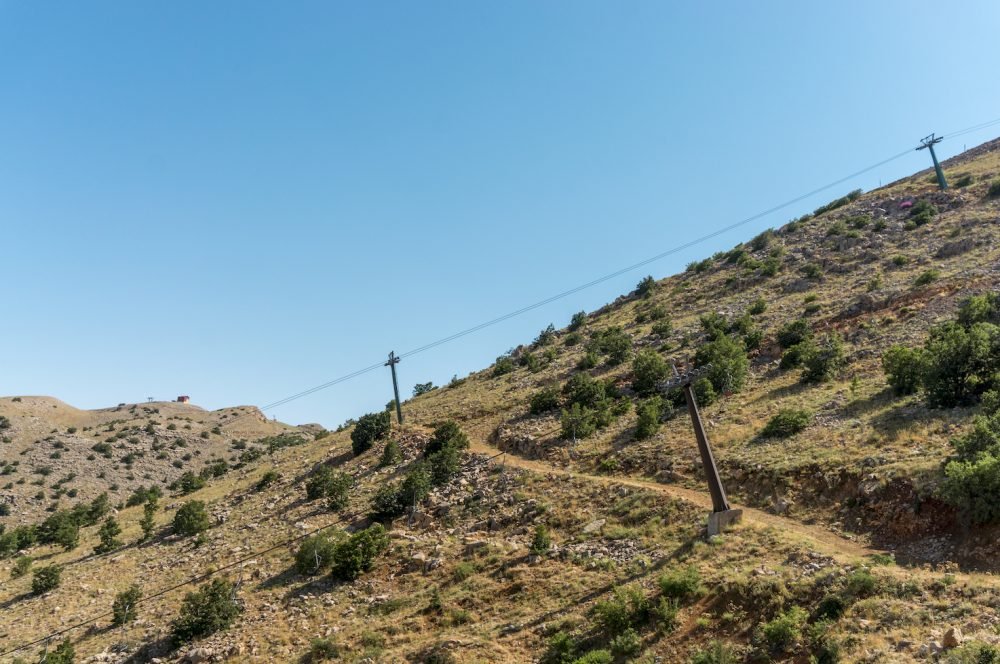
241 200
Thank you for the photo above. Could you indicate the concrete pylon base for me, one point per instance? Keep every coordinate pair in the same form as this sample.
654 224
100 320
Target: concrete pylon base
719 521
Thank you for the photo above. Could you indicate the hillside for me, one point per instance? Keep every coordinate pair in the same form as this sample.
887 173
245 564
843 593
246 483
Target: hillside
563 550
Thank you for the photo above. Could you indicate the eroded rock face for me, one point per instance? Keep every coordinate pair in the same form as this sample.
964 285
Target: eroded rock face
528 438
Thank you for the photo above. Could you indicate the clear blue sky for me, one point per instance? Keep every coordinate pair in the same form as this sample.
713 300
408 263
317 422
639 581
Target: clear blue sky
240 200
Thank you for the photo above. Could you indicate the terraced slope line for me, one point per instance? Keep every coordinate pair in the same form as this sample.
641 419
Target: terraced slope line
821 539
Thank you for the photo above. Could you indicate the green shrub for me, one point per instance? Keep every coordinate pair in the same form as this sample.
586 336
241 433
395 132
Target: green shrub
681 584
958 362
21 567
794 333
370 428
904 368
386 503
542 541
318 484
446 434
786 629
861 583
927 277
716 653
812 271
589 360
787 422
729 364
191 518
148 522
823 360
758 307
979 309
646 287
562 649
626 644
648 422
973 486
626 607
444 465
314 554
321 650
416 485
391 454
189 483
503 365
922 212
267 479
109 532
356 554
577 422
46 578
339 491
208 610
423 388
831 607
578 320
662 328
615 344
544 400
125 607
649 369
595 657
975 652
63 654
994 190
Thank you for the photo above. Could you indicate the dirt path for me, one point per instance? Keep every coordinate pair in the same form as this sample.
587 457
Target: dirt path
819 538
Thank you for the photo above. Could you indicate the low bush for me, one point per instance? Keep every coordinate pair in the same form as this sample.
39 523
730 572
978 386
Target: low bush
322 650
192 518
544 400
370 428
210 609
315 554
21 567
787 422
823 360
716 653
577 422
356 554
649 370
904 368
125 607
45 579
648 422
786 629
994 190
927 277
109 532
391 454
681 584
503 365
729 364
542 541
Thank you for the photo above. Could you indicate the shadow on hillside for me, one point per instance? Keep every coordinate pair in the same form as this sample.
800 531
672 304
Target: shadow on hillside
895 421
680 552
860 407
784 392
159 648
14 600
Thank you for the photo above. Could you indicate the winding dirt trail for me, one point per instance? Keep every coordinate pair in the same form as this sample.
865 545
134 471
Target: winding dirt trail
818 538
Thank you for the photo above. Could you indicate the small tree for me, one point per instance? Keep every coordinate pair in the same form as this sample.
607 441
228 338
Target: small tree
578 320
191 519
339 492
444 464
109 532
63 654
125 607
357 553
904 368
649 418
823 360
210 609
544 400
21 567
148 521
370 428
391 454
577 422
787 422
319 483
646 287
729 363
649 369
45 579
541 542
314 554
447 433
423 388
416 486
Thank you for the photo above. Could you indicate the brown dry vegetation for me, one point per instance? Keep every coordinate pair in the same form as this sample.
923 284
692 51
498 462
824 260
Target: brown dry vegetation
825 507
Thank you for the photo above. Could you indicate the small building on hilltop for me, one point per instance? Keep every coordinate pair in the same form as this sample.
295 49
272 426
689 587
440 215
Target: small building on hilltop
183 399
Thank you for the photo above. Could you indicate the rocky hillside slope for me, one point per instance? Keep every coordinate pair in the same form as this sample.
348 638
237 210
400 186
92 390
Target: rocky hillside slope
562 520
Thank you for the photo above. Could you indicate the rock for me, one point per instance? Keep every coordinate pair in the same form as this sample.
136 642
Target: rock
782 505
594 526
198 655
952 638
